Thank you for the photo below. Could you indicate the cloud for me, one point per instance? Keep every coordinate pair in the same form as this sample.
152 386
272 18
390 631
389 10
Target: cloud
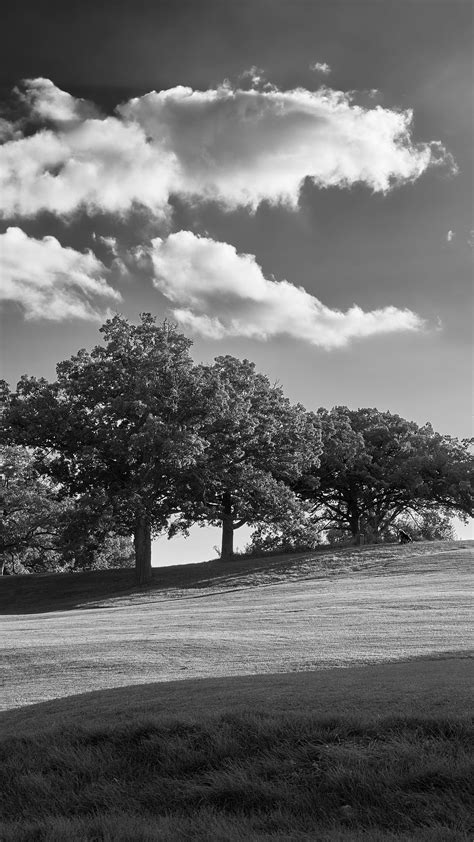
232 146
220 293
254 76
450 236
49 281
241 148
49 103
110 243
321 67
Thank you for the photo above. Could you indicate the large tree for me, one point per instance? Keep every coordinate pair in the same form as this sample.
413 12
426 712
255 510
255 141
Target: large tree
119 425
257 445
376 466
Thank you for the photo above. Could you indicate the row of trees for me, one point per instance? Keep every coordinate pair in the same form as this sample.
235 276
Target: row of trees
132 439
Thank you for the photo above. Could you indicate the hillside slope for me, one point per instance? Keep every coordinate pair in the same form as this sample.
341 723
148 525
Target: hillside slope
61 591
255 616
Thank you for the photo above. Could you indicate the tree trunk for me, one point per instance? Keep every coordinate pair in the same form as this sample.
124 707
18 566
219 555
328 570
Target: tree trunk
227 548
142 542
354 524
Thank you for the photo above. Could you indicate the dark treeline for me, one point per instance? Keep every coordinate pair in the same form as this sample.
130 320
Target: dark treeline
133 439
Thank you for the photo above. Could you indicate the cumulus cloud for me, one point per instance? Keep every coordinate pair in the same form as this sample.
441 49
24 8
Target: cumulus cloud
321 67
49 281
245 147
231 146
219 293
49 103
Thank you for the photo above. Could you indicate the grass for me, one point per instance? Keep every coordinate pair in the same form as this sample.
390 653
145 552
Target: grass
376 752
61 591
333 608
247 776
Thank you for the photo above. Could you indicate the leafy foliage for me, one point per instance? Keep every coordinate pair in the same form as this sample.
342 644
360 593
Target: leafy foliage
42 529
118 425
257 444
31 513
376 466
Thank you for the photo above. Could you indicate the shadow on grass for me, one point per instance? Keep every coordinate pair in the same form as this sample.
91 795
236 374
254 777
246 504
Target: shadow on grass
247 776
89 589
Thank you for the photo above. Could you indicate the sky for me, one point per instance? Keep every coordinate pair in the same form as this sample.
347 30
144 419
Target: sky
288 180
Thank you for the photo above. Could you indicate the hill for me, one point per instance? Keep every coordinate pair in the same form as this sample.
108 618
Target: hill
255 616
40 593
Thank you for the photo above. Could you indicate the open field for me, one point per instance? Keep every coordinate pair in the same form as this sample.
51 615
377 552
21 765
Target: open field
261 736
273 615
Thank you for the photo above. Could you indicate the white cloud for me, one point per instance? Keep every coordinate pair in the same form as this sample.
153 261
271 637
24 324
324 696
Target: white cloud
255 75
219 293
321 67
97 164
49 281
450 236
110 243
245 147
235 147
49 103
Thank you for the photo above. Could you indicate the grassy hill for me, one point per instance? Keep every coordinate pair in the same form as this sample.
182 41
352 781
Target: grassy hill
61 591
75 633
212 705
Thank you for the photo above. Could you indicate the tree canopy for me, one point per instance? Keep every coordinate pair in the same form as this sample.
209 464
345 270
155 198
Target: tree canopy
257 445
119 424
133 439
376 466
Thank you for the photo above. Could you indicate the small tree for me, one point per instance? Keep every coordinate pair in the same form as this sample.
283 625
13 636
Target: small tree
119 424
257 445
376 466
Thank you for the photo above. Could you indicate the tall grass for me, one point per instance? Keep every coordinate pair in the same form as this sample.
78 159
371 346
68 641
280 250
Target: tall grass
248 776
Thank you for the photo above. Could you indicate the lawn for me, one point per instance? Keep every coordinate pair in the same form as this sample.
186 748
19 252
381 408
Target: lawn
325 698
273 615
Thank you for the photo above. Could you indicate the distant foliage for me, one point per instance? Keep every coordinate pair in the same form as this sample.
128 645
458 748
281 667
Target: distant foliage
293 535
44 530
430 525
376 467
32 511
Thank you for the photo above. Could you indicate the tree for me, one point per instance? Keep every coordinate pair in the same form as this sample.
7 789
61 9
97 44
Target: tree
376 466
32 510
257 445
119 424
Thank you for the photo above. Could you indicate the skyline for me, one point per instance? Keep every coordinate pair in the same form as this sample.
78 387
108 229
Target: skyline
289 182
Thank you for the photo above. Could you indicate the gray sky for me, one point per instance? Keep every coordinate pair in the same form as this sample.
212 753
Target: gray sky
258 210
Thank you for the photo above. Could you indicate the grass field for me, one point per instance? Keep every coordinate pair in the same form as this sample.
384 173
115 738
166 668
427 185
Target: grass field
261 734
379 753
330 608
